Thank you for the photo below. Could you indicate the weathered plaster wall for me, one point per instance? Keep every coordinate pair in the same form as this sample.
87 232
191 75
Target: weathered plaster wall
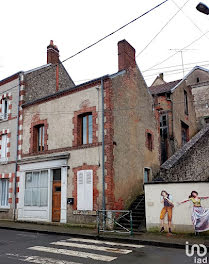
132 116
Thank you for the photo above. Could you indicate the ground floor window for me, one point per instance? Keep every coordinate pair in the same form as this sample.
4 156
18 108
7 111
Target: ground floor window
85 190
36 188
4 192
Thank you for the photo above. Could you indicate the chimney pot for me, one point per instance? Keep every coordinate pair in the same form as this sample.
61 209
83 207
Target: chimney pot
126 55
161 76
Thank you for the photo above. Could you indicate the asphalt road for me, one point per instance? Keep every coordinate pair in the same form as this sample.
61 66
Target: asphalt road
22 247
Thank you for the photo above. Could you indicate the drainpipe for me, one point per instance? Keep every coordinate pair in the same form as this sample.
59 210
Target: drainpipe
15 178
103 148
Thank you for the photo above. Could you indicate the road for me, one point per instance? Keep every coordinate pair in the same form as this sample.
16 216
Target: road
18 247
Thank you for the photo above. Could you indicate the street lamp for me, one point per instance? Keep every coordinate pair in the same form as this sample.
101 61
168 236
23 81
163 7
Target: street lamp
202 8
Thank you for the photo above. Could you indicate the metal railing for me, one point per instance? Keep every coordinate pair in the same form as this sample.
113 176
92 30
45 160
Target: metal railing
109 221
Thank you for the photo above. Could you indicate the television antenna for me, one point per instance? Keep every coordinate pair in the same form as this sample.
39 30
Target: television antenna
182 59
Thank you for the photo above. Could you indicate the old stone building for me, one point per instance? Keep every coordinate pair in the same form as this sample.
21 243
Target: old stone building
60 174
191 162
175 114
198 79
15 90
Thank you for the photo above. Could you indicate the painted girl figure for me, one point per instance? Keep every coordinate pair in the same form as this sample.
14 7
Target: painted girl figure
200 215
167 200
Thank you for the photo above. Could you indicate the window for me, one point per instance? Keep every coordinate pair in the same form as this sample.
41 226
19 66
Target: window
185 103
164 137
36 188
149 141
38 139
4 108
198 79
86 129
85 190
184 133
147 175
4 192
3 147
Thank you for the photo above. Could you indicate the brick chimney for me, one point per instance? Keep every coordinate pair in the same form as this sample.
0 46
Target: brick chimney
52 53
126 55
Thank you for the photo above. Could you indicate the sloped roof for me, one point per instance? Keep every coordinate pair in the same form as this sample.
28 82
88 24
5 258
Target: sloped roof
163 88
183 151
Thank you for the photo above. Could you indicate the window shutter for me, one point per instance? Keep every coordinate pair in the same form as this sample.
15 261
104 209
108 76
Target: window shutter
3 146
80 190
88 190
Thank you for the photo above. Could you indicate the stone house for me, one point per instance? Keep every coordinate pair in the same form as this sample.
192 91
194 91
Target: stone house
191 162
60 174
175 114
198 79
15 90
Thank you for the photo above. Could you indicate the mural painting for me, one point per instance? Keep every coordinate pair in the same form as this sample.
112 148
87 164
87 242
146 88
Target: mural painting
167 201
200 215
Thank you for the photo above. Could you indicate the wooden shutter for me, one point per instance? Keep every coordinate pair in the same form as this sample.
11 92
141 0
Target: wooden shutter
88 190
80 190
3 146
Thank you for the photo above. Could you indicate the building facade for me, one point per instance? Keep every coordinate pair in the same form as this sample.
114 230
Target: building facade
176 115
14 91
60 173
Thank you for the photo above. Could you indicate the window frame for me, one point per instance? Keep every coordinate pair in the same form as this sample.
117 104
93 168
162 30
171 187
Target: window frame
149 141
37 137
184 127
4 109
6 193
5 148
89 129
40 186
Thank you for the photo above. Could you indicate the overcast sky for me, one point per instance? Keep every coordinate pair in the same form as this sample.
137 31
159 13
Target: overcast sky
28 26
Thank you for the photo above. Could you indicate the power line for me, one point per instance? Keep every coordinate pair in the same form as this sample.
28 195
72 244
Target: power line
95 43
112 33
177 51
161 30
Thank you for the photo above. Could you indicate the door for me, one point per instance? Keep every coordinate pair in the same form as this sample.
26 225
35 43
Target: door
56 195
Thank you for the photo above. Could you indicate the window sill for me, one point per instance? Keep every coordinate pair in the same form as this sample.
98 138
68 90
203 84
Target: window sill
4 209
84 212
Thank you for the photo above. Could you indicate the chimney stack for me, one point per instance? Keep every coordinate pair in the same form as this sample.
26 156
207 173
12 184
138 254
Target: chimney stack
161 76
52 53
126 55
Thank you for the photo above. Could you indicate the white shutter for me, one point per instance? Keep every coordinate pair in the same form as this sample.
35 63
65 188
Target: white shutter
80 190
3 146
88 176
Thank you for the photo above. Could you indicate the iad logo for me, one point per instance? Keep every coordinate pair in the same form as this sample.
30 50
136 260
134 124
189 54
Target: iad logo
201 252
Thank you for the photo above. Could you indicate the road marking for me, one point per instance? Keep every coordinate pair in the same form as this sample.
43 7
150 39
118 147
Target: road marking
104 242
39 260
73 253
92 247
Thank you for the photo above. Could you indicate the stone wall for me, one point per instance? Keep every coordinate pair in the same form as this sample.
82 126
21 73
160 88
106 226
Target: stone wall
191 162
43 82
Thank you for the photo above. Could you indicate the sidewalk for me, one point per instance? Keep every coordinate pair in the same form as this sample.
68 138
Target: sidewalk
154 239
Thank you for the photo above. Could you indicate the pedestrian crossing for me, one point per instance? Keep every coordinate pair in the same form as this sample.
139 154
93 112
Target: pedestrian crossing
78 250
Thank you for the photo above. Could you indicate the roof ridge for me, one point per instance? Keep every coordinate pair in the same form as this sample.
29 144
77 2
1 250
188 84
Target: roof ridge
183 150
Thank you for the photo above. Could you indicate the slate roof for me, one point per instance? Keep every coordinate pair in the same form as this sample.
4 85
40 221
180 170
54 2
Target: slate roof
183 151
163 88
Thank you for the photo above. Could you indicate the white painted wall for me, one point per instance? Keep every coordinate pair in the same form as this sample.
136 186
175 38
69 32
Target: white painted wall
181 220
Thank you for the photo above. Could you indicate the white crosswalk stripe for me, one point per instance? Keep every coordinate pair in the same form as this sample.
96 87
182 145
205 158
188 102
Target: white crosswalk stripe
92 247
86 249
73 253
92 241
